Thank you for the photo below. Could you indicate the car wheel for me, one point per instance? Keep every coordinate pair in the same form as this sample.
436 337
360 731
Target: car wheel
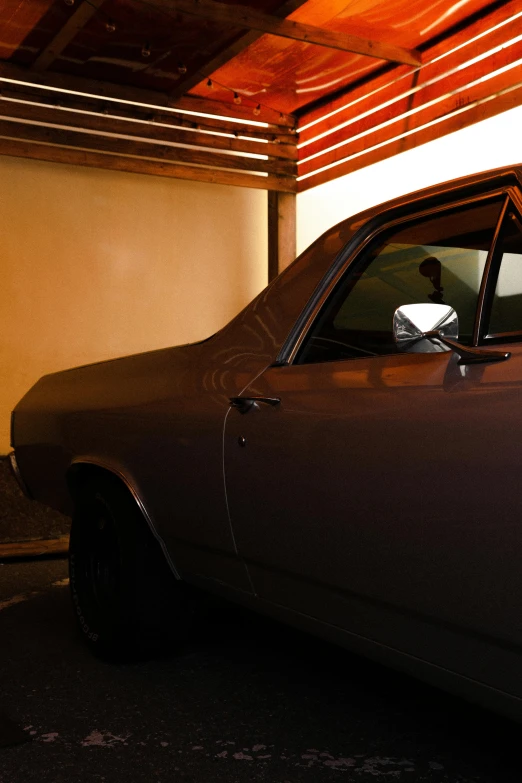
121 585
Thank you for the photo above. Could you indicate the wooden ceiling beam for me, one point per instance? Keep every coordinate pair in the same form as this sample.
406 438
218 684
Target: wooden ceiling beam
239 16
99 90
45 152
14 105
206 125
119 146
68 32
450 123
193 103
222 57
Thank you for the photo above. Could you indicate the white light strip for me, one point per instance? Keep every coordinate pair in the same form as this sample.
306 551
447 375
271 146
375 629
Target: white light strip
109 134
411 132
406 76
137 157
413 90
414 111
62 90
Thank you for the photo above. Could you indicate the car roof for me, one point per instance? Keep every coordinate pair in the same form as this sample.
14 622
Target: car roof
489 179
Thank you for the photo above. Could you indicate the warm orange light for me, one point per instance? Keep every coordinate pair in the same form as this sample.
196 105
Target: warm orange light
408 75
403 135
416 110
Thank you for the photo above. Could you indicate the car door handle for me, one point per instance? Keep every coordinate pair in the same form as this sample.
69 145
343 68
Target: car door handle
244 404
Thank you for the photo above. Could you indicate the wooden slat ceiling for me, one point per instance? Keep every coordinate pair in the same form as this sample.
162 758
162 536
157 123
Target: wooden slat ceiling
280 96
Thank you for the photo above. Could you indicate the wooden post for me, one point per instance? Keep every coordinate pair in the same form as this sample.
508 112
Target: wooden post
281 231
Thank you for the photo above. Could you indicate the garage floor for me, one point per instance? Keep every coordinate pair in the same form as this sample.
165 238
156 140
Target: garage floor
22 519
250 701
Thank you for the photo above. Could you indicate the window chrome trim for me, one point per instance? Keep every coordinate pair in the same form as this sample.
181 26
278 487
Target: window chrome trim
354 249
502 337
483 308
287 351
514 204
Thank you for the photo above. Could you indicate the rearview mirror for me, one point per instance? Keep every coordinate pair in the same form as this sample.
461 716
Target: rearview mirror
411 322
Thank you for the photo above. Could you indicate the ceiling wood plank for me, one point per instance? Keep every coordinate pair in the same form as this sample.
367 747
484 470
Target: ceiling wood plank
452 93
146 98
23 149
72 138
455 112
68 32
88 120
445 65
205 125
240 16
452 123
190 80
193 103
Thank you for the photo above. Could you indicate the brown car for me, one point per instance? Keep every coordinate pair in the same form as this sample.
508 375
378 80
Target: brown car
344 455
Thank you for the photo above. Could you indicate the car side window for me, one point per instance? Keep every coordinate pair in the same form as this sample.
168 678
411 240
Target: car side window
506 309
439 258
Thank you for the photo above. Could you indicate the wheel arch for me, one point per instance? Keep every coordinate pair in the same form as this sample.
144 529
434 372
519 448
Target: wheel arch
84 469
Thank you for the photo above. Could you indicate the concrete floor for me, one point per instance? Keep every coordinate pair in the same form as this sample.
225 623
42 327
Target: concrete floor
250 701
22 519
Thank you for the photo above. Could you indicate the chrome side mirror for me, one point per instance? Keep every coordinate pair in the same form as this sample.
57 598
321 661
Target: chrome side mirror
433 328
412 322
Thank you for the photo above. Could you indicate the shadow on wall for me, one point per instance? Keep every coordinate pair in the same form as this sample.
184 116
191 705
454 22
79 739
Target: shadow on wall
22 519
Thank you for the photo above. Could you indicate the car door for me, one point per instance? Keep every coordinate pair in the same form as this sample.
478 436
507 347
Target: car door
381 494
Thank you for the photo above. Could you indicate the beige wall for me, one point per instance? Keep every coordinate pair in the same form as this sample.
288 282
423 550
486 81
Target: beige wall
97 264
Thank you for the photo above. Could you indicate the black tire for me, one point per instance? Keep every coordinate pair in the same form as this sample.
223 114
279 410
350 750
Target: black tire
122 587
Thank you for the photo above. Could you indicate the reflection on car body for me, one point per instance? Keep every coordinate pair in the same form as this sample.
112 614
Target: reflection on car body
309 462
